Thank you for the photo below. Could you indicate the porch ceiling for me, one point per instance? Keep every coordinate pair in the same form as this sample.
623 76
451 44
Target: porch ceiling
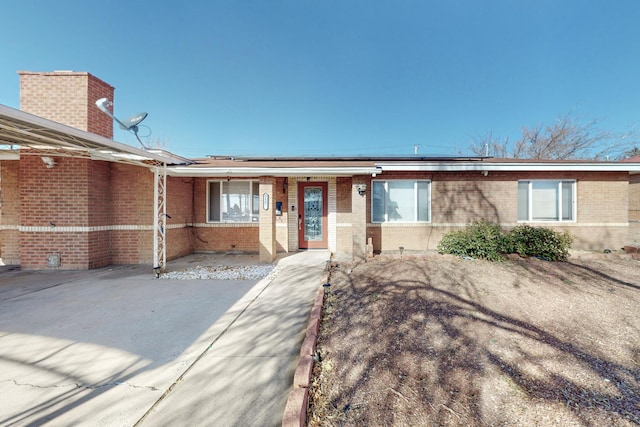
26 134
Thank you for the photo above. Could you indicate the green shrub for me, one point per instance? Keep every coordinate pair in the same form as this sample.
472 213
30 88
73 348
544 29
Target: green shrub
478 240
538 241
484 240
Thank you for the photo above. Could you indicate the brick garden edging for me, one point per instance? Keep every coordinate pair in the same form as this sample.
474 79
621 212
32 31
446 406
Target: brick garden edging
295 413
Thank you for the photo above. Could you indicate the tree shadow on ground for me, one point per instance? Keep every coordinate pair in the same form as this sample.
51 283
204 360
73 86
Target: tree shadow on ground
425 342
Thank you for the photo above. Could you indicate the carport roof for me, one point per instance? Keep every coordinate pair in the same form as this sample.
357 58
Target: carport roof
26 134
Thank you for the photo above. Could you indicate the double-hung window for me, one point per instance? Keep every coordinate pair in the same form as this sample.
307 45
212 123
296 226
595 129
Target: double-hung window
401 201
546 200
233 201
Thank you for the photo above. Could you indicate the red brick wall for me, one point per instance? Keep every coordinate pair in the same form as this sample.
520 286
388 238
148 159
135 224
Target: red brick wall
99 183
100 251
99 212
132 246
58 195
227 238
200 200
132 207
131 195
180 209
97 121
72 247
91 194
10 212
67 97
54 198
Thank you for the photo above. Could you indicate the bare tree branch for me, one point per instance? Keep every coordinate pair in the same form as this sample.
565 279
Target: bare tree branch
567 138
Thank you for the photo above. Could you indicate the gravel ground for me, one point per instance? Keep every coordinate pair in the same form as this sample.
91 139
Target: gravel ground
223 272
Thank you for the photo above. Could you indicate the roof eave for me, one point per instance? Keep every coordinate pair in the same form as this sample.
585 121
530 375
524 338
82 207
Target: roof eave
510 167
267 171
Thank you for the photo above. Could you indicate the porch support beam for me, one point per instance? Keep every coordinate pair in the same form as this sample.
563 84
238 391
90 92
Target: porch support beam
159 219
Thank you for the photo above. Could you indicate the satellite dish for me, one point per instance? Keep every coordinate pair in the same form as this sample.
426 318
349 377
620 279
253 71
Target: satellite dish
133 121
130 123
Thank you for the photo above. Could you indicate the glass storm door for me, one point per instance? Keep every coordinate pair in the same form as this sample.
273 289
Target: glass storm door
312 215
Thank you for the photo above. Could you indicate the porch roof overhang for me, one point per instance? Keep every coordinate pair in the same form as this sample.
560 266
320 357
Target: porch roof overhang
279 167
26 134
249 172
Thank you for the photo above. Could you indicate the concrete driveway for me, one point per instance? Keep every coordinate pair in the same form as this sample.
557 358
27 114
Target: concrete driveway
117 347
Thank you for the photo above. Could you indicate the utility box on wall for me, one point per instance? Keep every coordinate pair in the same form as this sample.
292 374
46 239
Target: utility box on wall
53 260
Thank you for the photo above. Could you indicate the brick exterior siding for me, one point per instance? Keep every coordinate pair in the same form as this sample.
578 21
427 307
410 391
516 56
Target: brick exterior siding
180 208
118 200
96 213
634 198
634 209
131 193
460 198
344 234
91 213
10 213
220 237
67 97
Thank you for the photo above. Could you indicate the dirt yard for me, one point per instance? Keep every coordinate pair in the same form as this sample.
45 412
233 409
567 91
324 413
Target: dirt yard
442 341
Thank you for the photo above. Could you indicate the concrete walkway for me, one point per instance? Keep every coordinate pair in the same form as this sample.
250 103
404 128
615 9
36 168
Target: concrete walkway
117 347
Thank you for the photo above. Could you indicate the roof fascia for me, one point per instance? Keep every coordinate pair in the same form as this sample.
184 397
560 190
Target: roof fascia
266 171
509 167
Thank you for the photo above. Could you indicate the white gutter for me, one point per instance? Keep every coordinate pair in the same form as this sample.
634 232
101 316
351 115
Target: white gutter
266 171
509 167
102 142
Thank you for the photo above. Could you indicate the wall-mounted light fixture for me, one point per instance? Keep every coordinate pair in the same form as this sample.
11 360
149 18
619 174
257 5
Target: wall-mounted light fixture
285 185
484 173
48 162
361 189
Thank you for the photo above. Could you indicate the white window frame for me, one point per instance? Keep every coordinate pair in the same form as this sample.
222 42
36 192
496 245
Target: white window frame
559 201
415 201
220 183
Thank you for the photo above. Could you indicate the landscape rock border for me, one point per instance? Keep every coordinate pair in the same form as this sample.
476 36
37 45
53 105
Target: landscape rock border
295 413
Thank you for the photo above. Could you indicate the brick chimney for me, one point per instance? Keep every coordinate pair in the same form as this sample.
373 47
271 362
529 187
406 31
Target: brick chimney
67 97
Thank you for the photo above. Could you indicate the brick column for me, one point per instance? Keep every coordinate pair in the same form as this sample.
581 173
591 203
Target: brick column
267 220
359 218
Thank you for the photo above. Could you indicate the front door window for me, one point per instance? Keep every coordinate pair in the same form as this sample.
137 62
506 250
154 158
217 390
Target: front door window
312 219
313 214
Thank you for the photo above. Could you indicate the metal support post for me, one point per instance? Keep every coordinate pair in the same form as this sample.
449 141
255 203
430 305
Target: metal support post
160 219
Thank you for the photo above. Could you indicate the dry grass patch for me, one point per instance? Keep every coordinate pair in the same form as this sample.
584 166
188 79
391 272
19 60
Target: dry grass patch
447 342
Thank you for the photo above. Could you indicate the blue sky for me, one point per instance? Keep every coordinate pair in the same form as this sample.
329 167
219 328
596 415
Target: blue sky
339 78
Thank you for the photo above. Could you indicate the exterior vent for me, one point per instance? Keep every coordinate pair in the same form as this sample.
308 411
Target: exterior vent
53 260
